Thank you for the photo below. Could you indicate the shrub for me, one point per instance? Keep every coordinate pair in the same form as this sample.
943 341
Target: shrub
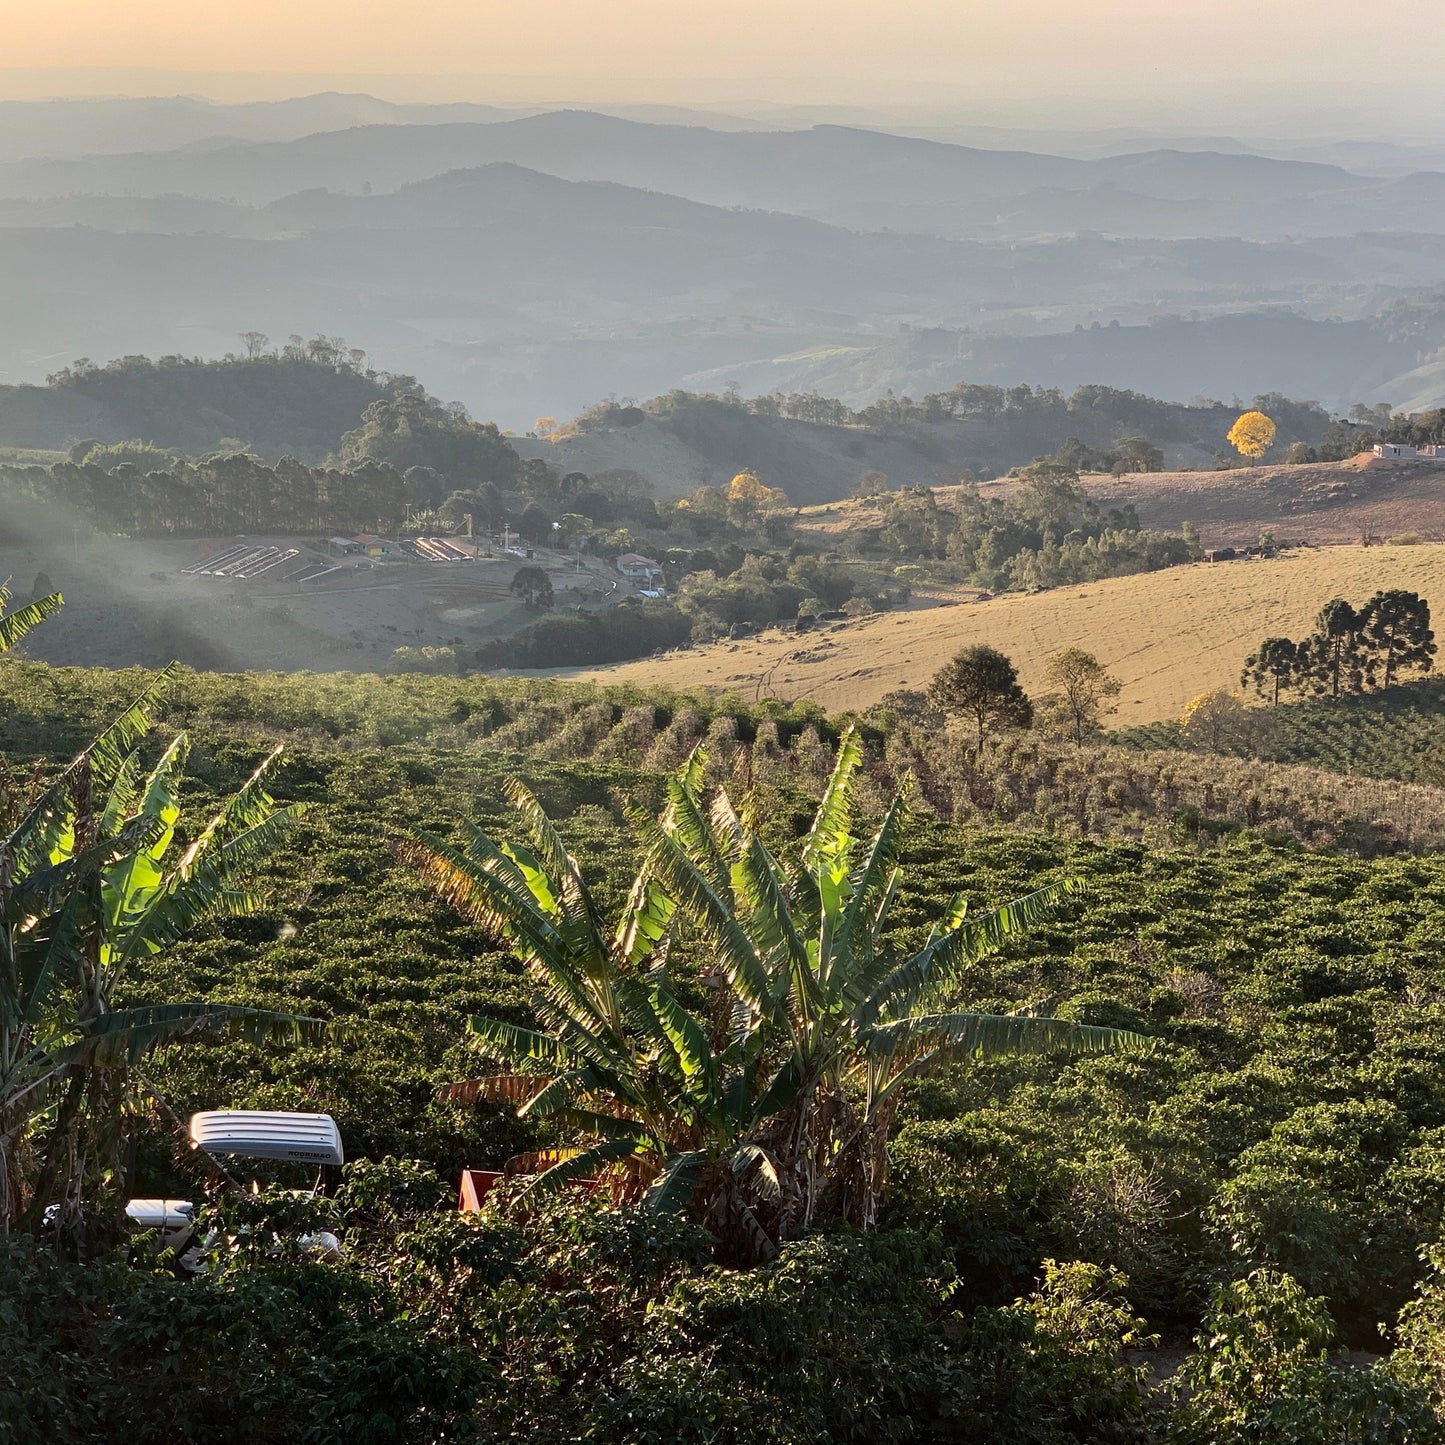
1315 1199
1261 1374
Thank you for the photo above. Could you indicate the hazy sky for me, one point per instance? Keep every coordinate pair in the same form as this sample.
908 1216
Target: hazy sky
1206 55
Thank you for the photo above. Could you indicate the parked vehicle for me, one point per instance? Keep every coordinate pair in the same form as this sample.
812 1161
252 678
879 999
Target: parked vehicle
247 1134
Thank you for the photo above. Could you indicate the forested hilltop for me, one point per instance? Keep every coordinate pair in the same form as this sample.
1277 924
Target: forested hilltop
301 398
820 449
297 399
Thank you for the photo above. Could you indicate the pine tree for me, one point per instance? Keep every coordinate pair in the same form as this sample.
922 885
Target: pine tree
1334 658
1275 667
1396 629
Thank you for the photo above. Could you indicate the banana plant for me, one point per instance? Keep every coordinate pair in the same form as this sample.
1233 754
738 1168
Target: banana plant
92 878
775 1104
806 944
667 1102
15 624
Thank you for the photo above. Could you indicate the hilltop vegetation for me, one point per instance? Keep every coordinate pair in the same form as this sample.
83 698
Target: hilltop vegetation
821 450
297 402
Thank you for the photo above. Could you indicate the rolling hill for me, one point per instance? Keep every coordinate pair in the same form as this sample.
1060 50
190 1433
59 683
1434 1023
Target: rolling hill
277 407
679 442
851 177
528 265
1167 635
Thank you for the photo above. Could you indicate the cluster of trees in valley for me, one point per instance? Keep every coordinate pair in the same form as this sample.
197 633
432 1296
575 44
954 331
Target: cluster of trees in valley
1047 533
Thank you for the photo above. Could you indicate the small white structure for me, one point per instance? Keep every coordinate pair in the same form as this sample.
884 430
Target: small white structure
262 1134
1396 451
172 1219
1435 453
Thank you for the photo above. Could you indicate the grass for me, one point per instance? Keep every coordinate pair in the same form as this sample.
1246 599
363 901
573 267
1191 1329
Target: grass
1167 635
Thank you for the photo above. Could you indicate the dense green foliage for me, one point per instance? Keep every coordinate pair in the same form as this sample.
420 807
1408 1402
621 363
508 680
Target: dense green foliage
408 429
1046 534
1288 1119
1397 733
219 495
588 639
298 401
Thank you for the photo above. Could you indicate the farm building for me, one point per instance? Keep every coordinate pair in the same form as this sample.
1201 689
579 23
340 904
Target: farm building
1396 451
636 568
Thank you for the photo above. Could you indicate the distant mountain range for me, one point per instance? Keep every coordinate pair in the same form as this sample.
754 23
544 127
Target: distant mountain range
857 178
533 264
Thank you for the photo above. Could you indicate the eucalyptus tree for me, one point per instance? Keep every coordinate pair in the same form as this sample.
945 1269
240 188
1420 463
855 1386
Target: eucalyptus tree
758 1092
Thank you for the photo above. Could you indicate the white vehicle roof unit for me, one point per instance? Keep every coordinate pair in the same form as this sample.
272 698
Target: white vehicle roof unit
263 1134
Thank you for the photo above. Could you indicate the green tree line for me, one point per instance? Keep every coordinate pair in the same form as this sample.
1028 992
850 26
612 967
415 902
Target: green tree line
1351 650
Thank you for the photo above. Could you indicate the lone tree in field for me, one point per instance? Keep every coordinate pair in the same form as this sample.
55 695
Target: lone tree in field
1085 693
1136 454
982 684
1273 669
533 586
1252 435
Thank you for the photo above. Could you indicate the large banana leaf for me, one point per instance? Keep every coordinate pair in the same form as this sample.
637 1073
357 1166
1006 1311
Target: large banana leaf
894 1052
126 1035
942 959
14 625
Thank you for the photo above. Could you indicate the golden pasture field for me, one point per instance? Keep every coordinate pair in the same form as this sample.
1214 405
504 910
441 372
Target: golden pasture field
1168 635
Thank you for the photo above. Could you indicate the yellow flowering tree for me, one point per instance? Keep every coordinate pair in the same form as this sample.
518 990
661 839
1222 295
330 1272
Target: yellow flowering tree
1252 435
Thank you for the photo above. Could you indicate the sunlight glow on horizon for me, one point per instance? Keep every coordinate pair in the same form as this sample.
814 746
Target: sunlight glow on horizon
840 51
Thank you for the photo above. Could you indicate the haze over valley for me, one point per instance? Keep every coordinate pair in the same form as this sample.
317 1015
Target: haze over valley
721 724
534 263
